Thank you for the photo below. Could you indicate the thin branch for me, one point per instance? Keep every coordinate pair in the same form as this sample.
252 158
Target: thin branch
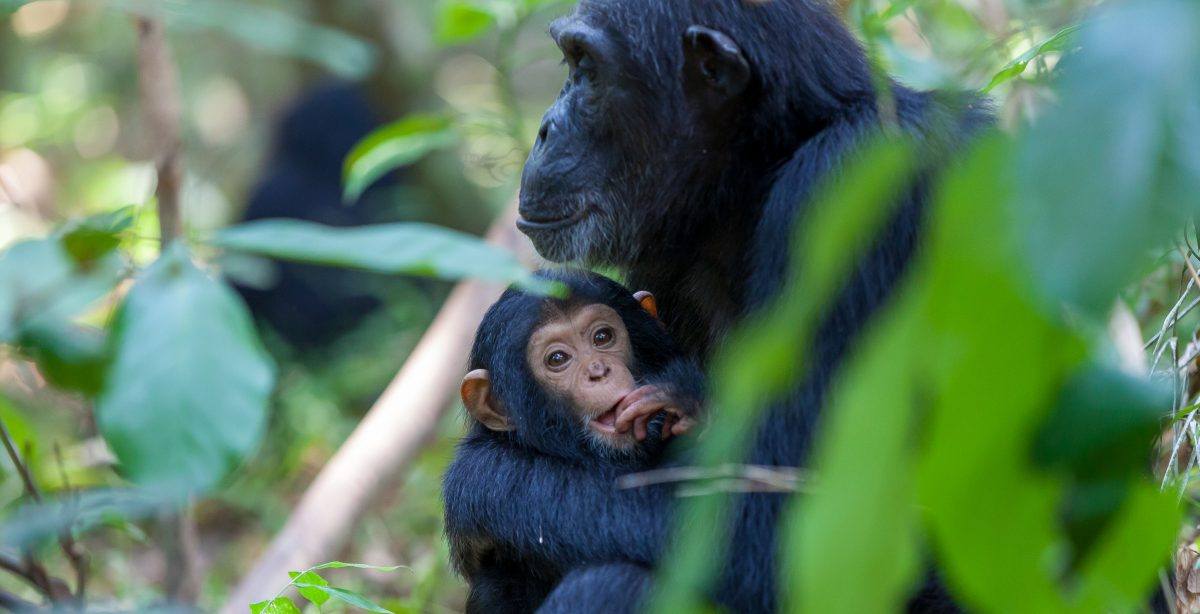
728 478
159 88
29 568
66 540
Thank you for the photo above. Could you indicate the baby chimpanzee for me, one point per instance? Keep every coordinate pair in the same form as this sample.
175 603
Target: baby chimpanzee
589 380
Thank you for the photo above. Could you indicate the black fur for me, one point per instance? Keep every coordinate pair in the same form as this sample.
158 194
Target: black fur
547 447
307 305
697 202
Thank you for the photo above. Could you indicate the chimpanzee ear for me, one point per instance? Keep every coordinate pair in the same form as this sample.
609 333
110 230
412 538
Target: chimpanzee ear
714 68
476 397
646 300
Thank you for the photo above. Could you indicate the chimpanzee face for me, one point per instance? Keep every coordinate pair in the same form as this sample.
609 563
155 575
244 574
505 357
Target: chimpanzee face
633 126
583 357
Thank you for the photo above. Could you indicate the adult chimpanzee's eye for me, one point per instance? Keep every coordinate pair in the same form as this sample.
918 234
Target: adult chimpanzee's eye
603 337
557 359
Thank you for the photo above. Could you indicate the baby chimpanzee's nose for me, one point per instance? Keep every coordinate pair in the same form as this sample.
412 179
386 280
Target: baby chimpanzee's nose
598 370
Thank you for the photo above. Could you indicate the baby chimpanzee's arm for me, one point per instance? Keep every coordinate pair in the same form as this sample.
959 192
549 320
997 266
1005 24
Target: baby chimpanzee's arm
548 509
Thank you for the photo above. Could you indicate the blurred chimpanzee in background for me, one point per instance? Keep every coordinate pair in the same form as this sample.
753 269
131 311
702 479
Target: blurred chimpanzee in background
309 306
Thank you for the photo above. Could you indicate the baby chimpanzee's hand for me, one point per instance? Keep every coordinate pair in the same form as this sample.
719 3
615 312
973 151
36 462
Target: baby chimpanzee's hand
638 407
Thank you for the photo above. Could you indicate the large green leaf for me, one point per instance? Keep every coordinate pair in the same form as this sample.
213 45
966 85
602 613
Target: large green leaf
1112 172
405 248
186 396
863 515
765 355
392 146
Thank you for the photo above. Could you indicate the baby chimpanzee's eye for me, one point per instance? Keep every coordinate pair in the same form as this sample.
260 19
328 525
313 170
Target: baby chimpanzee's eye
603 337
557 359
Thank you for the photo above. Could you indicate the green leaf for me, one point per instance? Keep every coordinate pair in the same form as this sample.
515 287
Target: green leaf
90 238
310 578
341 565
278 605
461 22
405 248
70 357
392 146
347 597
858 530
1111 173
1101 424
40 284
186 396
36 523
1060 42
766 354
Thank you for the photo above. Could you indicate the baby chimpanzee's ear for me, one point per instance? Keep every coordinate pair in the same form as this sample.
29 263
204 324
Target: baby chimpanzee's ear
646 300
476 396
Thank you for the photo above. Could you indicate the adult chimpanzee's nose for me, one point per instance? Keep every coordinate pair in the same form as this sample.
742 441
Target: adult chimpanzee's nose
598 370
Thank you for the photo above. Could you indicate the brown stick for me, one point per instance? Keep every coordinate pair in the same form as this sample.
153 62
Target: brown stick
161 107
388 438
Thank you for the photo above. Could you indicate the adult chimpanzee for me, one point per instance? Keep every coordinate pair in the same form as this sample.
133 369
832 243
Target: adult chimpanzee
685 143
590 382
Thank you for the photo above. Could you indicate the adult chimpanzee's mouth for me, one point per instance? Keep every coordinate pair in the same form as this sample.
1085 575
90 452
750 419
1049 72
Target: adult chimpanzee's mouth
526 225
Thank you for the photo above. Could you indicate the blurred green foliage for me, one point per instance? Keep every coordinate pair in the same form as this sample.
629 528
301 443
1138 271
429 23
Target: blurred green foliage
983 420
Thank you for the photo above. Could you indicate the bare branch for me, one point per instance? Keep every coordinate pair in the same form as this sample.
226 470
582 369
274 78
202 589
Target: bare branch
159 87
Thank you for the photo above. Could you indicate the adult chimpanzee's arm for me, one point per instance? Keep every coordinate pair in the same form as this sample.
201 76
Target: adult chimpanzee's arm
551 510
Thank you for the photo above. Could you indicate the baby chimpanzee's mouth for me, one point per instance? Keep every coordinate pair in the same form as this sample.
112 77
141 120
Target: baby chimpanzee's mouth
606 422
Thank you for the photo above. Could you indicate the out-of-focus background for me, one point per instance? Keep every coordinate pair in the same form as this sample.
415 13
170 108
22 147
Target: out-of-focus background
275 96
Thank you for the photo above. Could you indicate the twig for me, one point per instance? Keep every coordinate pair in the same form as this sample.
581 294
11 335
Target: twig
29 568
159 88
66 540
729 477
22 470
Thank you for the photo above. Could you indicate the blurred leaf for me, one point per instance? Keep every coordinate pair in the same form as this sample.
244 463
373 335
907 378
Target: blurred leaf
89 239
1133 550
264 28
35 523
1112 172
278 605
406 248
41 284
1102 424
393 146
308 579
765 355
859 527
348 597
1060 42
185 398
994 361
460 22
70 357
